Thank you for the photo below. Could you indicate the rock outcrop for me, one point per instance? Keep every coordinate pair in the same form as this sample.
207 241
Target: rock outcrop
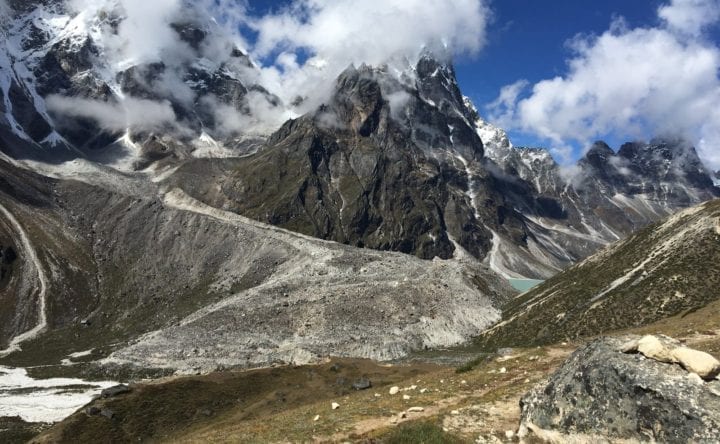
603 393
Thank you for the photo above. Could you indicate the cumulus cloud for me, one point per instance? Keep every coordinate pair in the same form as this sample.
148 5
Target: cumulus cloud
630 83
690 16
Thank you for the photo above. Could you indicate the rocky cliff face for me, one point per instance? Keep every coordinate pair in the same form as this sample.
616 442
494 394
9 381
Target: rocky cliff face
372 172
398 162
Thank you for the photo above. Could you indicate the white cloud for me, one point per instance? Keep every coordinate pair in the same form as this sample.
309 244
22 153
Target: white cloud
299 50
690 16
141 115
630 83
336 33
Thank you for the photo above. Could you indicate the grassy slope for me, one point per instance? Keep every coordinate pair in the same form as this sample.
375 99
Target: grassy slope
279 405
670 268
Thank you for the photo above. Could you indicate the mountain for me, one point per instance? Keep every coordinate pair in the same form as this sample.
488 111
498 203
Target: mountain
398 162
385 164
666 269
159 280
66 92
606 196
129 176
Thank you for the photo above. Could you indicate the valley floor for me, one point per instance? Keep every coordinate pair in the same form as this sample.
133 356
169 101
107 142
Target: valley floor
478 402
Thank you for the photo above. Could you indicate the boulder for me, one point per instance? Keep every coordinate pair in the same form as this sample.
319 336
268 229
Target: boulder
706 366
601 394
659 349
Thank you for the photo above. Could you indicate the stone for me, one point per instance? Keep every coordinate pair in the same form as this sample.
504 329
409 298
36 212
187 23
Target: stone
335 405
362 384
394 390
695 361
416 409
406 397
630 346
509 434
115 391
106 412
652 347
503 370
601 391
92 411
316 418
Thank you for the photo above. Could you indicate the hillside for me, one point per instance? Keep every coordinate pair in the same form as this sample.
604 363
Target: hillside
130 262
667 269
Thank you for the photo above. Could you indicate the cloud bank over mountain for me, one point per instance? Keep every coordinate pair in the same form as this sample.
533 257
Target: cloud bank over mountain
296 51
314 40
629 82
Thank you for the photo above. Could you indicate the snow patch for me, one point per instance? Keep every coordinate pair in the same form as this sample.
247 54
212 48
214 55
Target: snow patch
44 400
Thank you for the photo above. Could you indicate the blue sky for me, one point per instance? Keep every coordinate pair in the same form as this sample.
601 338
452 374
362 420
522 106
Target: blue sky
528 40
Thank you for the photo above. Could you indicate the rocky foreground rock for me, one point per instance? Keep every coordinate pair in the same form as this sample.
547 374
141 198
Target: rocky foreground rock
608 390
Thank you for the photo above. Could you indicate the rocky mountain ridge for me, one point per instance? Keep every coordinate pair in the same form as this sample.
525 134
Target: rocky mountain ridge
421 179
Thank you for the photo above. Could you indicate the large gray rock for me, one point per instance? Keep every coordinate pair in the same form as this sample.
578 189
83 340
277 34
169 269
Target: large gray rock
602 393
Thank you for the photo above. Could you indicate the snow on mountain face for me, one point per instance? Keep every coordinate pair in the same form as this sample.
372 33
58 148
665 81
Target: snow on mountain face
70 85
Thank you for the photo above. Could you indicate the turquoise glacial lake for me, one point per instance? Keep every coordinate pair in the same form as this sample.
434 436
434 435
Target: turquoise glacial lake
524 285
